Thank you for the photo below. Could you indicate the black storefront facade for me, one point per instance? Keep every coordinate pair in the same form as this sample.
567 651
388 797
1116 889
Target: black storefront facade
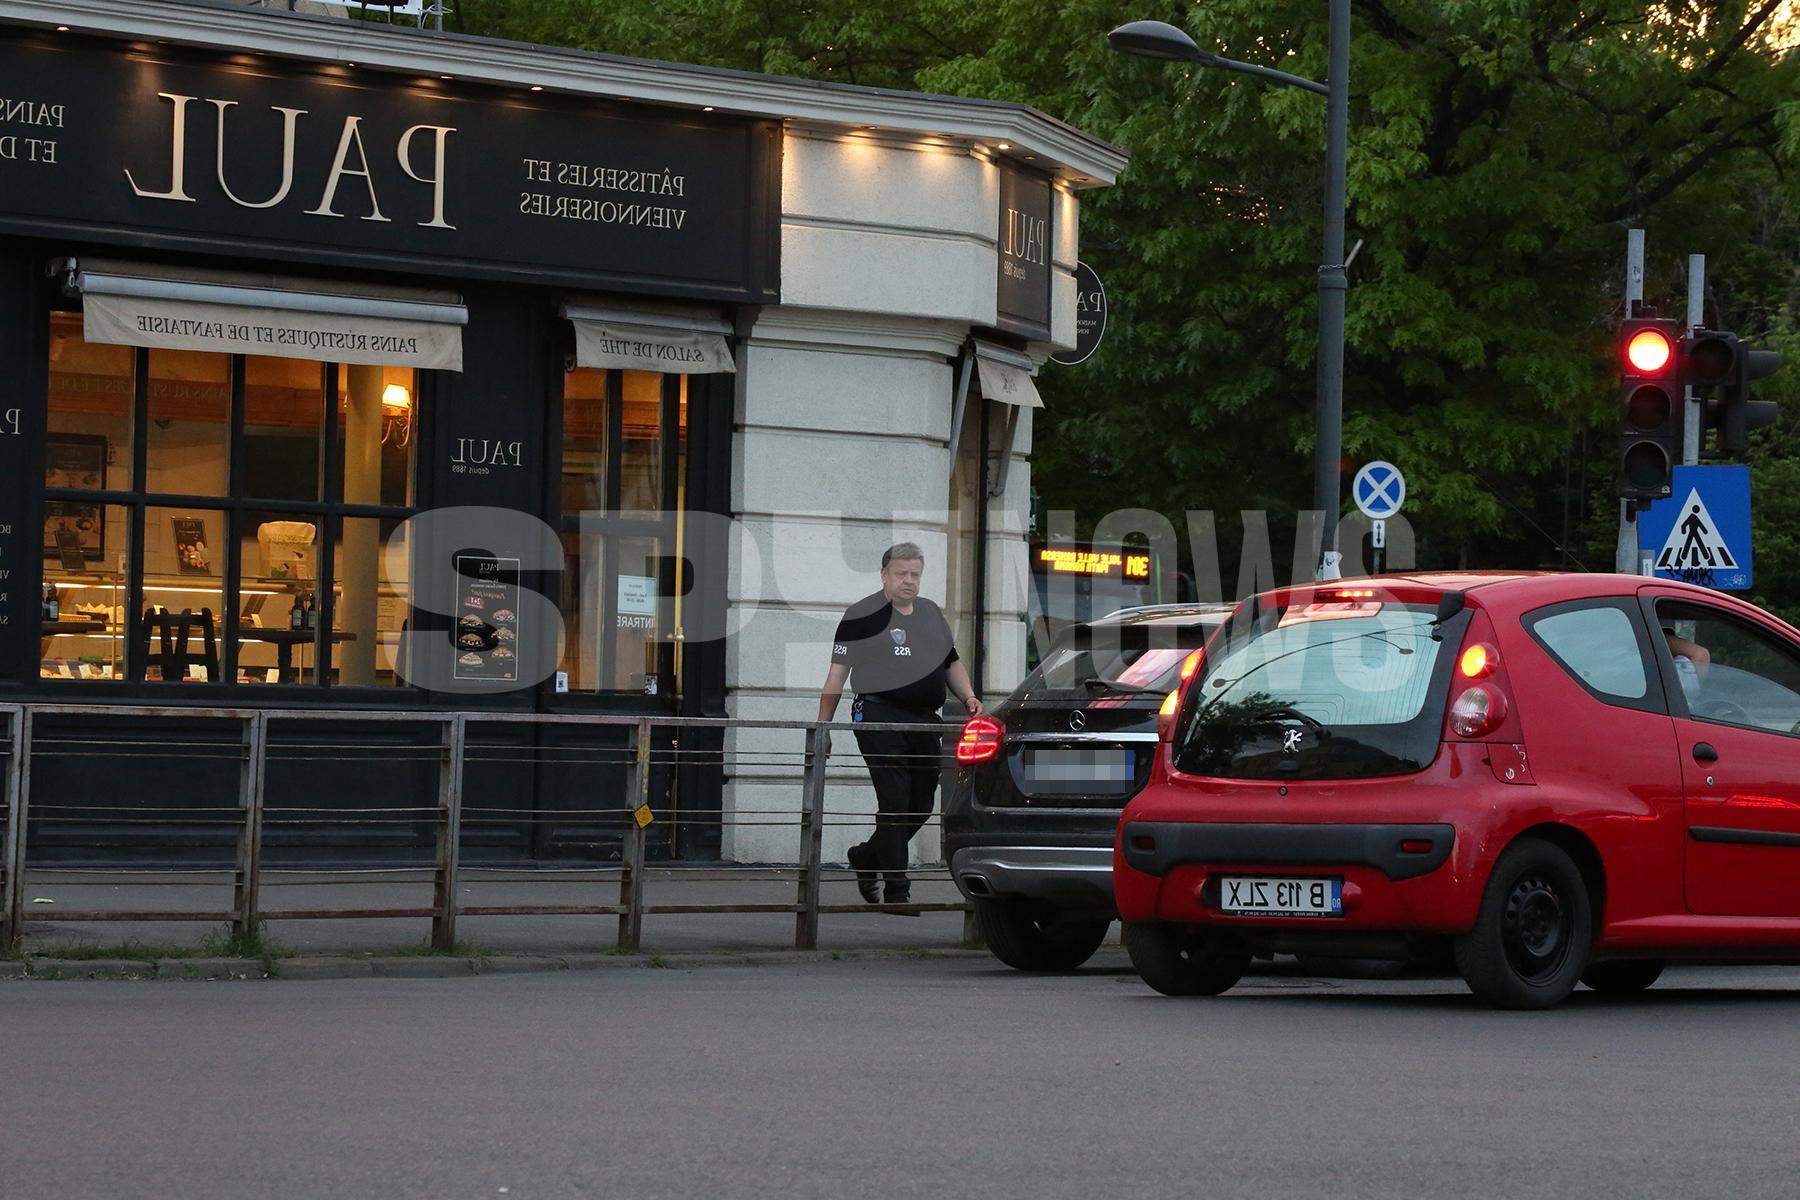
262 319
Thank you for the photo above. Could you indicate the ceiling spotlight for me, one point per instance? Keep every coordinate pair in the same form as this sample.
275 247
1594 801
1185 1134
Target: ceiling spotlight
1004 146
537 87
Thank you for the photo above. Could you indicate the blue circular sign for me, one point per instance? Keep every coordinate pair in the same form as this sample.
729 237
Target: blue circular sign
1379 490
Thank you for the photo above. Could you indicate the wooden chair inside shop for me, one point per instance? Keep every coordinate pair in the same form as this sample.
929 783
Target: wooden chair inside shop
166 640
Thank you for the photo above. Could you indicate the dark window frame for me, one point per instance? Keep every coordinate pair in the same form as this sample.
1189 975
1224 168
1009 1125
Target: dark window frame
609 525
1655 697
328 512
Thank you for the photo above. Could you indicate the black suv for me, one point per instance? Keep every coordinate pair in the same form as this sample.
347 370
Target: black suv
1040 780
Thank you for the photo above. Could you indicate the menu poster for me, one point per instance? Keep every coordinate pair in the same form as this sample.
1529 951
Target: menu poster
190 546
487 633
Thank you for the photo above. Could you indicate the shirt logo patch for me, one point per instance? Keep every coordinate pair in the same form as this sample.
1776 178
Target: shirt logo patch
899 636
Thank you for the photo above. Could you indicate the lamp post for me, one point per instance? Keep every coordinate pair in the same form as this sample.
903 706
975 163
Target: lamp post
1155 39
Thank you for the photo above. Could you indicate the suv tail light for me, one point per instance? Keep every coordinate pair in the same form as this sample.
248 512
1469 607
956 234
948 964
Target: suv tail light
980 740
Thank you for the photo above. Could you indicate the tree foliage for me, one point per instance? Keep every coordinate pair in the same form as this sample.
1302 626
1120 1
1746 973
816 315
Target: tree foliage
1499 150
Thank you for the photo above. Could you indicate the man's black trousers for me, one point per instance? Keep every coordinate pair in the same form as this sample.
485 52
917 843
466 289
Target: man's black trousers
904 768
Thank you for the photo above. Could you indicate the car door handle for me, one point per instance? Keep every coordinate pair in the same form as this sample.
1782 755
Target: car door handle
1704 752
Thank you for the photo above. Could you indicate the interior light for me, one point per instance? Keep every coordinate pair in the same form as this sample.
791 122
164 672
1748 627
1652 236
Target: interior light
706 108
396 399
537 87
62 29
1004 146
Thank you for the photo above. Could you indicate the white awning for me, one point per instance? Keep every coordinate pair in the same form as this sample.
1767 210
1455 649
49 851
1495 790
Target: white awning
230 312
675 341
1006 375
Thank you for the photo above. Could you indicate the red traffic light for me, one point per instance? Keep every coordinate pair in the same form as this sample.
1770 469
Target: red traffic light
1649 351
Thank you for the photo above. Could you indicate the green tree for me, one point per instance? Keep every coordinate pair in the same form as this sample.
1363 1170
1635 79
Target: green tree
1499 149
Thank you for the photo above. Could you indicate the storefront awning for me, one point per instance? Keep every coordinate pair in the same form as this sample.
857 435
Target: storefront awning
616 338
229 312
1006 375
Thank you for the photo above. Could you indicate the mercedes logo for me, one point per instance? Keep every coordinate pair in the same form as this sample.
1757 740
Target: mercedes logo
1078 720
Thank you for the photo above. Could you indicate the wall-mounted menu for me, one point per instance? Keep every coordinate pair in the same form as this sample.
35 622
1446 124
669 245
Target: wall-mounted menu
487 633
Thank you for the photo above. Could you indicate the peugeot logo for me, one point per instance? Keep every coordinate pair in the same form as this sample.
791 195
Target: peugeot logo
1078 720
1291 743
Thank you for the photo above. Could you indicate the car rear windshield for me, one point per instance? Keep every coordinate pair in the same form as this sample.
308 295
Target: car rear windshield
1128 662
1338 690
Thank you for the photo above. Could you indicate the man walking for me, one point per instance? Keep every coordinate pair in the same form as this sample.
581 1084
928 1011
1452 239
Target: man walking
897 651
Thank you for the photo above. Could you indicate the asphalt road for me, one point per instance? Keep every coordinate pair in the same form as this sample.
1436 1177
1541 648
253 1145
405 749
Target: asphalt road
890 1079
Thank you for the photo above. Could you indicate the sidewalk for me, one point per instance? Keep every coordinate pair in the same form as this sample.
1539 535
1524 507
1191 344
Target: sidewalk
488 936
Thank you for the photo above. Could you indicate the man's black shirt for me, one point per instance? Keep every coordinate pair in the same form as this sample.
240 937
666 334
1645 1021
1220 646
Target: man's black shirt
893 656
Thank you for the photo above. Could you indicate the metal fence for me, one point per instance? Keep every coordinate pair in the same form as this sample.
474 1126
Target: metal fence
249 819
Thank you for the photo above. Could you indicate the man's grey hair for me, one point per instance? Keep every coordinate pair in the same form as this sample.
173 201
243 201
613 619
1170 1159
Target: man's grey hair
904 551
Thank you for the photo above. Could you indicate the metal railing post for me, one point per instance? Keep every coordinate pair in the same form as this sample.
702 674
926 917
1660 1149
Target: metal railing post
251 774
18 801
449 847
812 834
631 853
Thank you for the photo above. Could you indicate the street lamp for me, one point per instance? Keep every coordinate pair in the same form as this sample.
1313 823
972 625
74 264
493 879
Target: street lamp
1156 39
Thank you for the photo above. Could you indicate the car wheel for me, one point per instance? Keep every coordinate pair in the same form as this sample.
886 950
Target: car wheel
1030 938
1623 978
1534 932
1184 962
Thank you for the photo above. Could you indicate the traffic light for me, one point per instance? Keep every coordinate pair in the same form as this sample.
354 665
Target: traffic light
1711 358
1651 411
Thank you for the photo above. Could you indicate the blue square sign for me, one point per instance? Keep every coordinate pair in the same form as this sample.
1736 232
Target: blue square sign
1701 533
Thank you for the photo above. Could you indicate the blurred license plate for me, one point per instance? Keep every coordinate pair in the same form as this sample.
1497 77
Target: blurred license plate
1281 895
1083 766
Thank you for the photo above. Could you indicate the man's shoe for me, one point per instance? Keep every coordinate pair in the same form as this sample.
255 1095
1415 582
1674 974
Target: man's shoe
901 895
858 857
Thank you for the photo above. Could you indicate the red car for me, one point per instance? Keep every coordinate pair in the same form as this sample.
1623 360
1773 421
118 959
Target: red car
1557 778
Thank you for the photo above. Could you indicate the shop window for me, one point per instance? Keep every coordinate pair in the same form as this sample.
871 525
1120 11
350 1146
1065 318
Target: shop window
92 402
86 590
189 427
623 500
248 555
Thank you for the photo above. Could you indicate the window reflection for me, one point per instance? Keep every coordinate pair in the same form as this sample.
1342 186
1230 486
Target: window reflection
188 432
284 414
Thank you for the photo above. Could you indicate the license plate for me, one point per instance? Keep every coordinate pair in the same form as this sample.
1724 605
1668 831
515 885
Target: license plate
1281 896
1082 766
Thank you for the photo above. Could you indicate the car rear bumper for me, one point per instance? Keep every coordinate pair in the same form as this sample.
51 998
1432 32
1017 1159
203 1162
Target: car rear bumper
1067 876
1414 877
1397 851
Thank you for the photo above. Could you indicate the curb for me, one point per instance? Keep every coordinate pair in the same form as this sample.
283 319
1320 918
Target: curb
376 966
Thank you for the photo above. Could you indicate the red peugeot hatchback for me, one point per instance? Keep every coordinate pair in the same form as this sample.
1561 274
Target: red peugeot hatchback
1558 778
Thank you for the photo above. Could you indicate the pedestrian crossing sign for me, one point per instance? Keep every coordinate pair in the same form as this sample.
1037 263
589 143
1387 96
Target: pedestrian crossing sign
1701 533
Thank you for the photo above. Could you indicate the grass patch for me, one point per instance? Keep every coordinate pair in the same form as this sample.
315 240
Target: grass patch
221 943
133 951
225 943
461 948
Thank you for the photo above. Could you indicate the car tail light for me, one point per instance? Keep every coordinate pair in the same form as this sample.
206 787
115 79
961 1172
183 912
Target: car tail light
1190 665
1478 711
980 740
1479 661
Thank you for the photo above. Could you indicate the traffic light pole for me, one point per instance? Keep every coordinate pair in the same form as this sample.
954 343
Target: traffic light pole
1625 558
1333 281
1696 317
